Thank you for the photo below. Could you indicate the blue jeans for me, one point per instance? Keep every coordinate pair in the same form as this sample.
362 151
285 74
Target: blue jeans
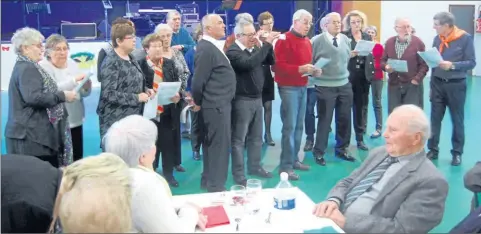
293 110
310 120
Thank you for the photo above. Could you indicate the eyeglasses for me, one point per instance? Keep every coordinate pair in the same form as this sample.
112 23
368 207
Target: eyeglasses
60 49
128 37
248 35
356 22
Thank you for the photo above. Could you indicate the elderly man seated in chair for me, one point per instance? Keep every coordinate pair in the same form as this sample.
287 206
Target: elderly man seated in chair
396 189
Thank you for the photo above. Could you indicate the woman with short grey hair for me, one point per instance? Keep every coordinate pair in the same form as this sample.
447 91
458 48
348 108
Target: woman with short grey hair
153 211
37 122
67 75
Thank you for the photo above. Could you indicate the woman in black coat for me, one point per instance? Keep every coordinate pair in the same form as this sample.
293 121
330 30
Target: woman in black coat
158 69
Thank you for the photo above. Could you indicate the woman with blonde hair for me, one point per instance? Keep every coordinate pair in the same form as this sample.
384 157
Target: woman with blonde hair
33 190
37 122
360 75
153 211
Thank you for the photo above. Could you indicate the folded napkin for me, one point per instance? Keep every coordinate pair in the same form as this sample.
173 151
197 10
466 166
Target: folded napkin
216 216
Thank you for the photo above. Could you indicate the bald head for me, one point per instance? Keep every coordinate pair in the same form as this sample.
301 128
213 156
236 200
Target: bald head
408 128
213 26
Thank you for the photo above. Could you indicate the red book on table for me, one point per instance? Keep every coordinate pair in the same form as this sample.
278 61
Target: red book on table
216 216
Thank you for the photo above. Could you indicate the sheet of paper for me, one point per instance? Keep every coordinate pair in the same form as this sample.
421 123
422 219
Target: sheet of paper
364 47
322 62
398 65
183 114
82 82
432 57
150 108
166 91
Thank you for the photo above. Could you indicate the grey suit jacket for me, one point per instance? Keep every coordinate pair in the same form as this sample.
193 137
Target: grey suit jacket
27 107
412 202
472 181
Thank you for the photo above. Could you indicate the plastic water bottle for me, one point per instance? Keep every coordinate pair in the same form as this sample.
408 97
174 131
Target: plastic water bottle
284 195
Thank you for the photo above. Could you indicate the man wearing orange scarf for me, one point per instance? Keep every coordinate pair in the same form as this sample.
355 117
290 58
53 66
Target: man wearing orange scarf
448 83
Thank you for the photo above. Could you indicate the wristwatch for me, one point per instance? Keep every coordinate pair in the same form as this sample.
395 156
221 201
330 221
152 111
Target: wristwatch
452 67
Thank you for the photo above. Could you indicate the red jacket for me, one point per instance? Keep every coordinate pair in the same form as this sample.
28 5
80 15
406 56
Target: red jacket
377 55
291 53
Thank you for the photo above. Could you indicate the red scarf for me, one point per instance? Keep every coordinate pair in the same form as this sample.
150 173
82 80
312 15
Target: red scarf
158 78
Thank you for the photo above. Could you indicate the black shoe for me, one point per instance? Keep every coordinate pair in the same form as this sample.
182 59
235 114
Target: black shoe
261 172
362 146
242 182
186 135
268 140
320 160
345 156
308 146
376 134
432 155
179 168
196 156
456 160
172 182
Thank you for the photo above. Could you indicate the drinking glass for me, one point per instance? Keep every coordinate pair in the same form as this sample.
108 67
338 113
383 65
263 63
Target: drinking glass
254 188
238 198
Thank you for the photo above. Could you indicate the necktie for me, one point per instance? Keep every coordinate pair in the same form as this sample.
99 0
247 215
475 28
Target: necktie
334 43
373 177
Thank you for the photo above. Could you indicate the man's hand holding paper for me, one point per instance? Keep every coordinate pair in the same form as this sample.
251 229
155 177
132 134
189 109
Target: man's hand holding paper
175 98
397 65
432 57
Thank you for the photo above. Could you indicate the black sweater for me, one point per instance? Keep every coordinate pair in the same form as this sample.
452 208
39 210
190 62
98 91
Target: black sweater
29 190
249 70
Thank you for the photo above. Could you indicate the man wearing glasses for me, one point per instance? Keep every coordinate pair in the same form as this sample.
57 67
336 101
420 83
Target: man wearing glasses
247 110
403 87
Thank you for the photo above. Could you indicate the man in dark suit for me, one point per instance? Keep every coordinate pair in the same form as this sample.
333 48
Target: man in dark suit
213 89
247 61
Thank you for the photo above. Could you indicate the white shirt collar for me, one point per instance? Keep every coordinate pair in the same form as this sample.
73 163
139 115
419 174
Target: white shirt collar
219 44
242 47
331 37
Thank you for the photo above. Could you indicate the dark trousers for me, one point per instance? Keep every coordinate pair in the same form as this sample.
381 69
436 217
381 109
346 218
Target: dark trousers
451 94
31 148
196 131
402 94
310 119
360 91
246 126
216 146
168 144
77 143
376 88
421 95
330 99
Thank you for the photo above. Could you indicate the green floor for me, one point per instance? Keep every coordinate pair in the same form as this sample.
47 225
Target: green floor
317 182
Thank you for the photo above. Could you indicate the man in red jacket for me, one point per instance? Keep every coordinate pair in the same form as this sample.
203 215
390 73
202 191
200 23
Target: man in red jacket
293 53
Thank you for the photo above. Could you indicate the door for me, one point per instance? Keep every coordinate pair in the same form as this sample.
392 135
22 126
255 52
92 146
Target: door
465 16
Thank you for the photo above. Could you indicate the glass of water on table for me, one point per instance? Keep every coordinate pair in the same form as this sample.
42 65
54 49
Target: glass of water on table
254 188
238 201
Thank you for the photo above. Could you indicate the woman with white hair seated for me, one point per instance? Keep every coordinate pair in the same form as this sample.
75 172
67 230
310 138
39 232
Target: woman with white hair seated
37 122
153 211
33 190
67 75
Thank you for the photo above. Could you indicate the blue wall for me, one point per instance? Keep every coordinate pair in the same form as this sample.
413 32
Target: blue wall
92 11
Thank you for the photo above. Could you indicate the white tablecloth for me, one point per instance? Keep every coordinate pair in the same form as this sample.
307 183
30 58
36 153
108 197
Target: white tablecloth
297 220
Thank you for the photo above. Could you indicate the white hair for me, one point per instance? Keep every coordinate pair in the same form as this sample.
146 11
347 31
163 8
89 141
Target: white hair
171 14
240 26
299 14
323 23
416 120
163 27
130 138
244 16
25 37
401 19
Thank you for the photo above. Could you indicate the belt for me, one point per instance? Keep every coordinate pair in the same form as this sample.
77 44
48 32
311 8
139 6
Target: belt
449 80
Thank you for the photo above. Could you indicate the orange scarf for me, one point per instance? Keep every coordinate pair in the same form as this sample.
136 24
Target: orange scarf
454 35
158 78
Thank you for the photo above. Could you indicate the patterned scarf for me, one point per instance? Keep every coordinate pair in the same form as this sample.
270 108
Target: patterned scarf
55 114
158 78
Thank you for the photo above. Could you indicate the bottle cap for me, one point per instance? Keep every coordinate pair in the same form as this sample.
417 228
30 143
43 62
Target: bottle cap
284 176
